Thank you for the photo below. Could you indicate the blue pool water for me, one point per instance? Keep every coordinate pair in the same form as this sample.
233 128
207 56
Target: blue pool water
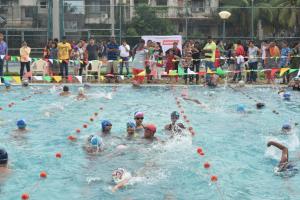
234 144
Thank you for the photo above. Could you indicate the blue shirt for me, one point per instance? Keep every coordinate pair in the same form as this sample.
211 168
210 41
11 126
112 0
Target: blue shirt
284 56
112 55
3 48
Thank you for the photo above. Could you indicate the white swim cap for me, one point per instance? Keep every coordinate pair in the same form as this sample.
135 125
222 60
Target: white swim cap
81 90
120 175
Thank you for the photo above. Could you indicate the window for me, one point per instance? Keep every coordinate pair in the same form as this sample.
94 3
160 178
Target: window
162 2
43 4
28 12
198 5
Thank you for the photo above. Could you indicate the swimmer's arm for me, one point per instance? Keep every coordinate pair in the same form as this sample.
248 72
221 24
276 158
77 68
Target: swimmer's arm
120 185
285 151
168 127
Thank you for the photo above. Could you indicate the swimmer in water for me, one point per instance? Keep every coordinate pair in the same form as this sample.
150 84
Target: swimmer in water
287 96
106 127
81 94
241 108
94 144
139 127
65 91
4 170
121 178
7 85
25 83
21 124
284 164
286 128
150 130
260 105
131 130
176 128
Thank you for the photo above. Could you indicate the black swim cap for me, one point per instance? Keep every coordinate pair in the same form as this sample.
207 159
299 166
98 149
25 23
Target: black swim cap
3 157
65 88
260 105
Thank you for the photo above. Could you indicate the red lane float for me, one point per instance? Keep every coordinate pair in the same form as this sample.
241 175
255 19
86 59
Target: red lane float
43 174
58 155
206 165
25 196
214 178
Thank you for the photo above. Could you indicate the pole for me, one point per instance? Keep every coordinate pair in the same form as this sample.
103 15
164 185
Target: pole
112 17
224 31
252 19
186 20
120 19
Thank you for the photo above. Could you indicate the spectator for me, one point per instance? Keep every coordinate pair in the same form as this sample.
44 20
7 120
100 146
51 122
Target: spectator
295 59
81 51
24 58
64 50
53 66
3 52
138 64
253 53
177 54
272 55
285 59
210 53
239 53
75 57
46 50
187 64
92 50
170 63
158 60
230 56
124 54
196 53
102 50
112 56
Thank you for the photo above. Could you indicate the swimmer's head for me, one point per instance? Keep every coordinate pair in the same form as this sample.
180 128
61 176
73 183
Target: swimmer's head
130 128
25 83
106 125
150 130
241 108
96 141
286 128
66 88
81 90
3 157
21 124
120 175
7 84
174 116
260 105
286 96
241 83
138 114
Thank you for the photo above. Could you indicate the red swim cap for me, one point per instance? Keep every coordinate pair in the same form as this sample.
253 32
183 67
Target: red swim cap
151 127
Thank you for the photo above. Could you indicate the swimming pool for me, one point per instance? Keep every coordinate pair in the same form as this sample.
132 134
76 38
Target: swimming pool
234 144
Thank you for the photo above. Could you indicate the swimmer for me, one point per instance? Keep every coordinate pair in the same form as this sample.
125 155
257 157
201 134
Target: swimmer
150 130
65 91
121 178
260 105
284 164
3 164
286 128
106 127
94 144
21 124
25 83
131 130
139 127
7 85
81 94
241 83
202 105
175 128
286 96
241 108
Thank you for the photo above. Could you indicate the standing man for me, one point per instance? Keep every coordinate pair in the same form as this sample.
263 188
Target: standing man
210 56
64 51
112 56
124 54
3 52
176 52
24 58
92 50
253 52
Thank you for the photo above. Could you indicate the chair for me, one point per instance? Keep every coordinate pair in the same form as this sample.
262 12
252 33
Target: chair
93 66
39 66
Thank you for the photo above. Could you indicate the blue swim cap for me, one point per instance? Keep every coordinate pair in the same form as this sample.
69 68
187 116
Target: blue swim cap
131 124
105 123
286 126
21 123
175 114
287 96
241 108
96 141
3 157
7 84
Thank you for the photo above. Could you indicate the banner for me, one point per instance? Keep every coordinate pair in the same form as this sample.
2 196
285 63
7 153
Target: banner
165 41
283 70
79 78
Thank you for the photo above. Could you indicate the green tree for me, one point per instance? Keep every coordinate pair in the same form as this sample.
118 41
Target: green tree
288 14
147 22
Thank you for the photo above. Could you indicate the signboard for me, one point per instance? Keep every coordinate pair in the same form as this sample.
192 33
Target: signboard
165 41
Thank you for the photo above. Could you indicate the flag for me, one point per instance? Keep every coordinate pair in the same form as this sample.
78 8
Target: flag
293 70
17 79
190 71
38 78
143 73
47 78
209 71
79 78
57 78
283 70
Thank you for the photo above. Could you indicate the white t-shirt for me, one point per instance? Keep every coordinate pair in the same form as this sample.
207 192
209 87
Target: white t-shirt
123 52
252 53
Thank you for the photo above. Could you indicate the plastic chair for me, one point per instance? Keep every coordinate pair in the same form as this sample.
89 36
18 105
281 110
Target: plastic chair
93 66
39 66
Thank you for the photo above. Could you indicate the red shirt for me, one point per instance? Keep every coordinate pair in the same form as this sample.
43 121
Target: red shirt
240 51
